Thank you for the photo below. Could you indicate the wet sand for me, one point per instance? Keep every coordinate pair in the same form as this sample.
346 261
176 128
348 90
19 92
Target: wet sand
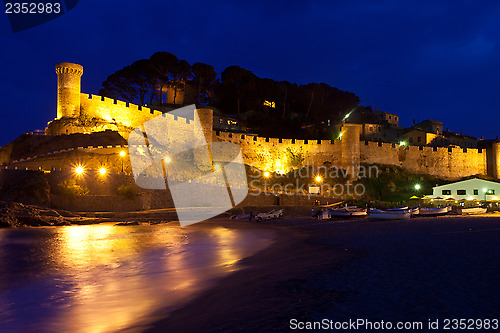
382 270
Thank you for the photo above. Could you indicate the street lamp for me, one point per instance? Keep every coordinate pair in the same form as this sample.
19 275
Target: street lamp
318 179
417 187
122 155
102 171
79 170
266 174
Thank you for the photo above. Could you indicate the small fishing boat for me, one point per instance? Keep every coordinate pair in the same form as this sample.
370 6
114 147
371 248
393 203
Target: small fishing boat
434 211
274 214
472 210
379 214
397 209
413 211
348 211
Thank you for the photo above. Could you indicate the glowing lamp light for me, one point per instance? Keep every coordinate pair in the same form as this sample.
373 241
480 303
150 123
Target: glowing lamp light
417 187
484 190
216 167
122 153
402 143
318 179
102 171
266 174
346 116
79 170
167 159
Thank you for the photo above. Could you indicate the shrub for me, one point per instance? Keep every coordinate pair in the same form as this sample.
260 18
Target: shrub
129 191
71 189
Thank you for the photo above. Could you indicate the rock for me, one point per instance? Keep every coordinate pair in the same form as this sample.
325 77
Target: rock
127 223
14 214
49 212
67 213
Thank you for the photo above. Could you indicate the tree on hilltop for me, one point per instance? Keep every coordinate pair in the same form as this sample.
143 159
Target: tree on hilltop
164 64
237 84
144 79
181 72
269 107
205 78
119 85
131 82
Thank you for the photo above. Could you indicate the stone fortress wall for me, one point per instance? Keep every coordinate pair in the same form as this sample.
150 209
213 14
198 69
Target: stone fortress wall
115 111
77 112
446 163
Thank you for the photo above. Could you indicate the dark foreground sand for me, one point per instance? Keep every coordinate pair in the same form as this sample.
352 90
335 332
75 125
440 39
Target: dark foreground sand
405 270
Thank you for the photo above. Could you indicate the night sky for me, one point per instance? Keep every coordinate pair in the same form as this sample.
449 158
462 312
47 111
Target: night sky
418 59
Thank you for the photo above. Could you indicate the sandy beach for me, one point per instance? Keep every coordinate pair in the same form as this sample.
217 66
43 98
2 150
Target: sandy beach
416 270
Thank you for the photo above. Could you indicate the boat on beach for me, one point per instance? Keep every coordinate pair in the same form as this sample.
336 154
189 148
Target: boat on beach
412 210
348 211
386 214
434 211
472 210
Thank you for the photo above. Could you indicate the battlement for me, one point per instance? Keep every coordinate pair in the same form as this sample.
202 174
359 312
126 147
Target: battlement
109 101
69 68
250 139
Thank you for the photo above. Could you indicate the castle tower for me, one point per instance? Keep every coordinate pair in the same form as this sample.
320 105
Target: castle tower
493 160
68 89
206 117
350 149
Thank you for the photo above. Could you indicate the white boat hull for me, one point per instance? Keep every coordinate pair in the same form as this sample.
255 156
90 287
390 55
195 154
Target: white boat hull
472 211
389 215
347 213
435 211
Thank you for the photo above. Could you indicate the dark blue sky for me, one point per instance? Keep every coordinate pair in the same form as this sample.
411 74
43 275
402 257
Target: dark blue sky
418 59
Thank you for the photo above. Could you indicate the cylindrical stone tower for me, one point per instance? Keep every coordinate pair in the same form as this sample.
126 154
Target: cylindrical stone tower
493 162
206 117
68 89
350 149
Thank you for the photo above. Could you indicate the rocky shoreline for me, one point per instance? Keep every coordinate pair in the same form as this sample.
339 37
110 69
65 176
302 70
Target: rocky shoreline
14 214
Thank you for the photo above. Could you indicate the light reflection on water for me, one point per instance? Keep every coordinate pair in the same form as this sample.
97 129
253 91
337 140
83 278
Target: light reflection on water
105 278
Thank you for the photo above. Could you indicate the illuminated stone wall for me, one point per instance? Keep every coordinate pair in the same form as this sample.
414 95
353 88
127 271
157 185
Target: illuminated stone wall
273 154
445 163
118 113
83 113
